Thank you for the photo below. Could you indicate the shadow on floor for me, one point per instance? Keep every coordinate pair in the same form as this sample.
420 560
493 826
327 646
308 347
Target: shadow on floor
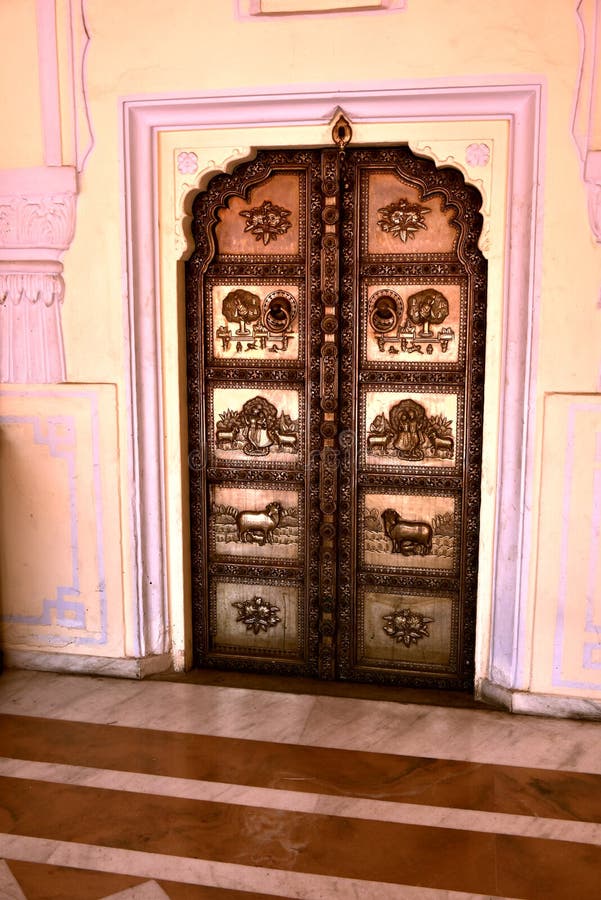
296 685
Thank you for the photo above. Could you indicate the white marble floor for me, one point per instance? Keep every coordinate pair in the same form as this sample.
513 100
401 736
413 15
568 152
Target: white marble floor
485 739
366 725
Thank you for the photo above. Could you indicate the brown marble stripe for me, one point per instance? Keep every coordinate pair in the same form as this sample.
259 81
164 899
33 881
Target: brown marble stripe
441 858
407 779
44 882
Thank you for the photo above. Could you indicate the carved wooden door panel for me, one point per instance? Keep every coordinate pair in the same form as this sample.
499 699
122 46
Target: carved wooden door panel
412 319
253 374
335 325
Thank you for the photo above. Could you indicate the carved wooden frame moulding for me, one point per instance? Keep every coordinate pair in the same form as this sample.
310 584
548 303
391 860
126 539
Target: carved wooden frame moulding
521 104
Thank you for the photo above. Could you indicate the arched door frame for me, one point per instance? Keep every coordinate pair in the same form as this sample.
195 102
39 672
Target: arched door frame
521 105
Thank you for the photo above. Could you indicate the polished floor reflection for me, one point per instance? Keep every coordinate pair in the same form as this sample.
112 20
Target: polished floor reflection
148 790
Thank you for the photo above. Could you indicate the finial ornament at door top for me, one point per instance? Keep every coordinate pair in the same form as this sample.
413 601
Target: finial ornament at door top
342 131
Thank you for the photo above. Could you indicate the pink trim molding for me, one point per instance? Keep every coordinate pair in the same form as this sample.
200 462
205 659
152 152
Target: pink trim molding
49 85
592 179
80 44
589 24
259 9
521 105
73 97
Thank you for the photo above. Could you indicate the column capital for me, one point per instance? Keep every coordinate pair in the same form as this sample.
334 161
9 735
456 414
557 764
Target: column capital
37 224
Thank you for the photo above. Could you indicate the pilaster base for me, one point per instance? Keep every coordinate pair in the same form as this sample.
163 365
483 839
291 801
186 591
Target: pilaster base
132 667
528 704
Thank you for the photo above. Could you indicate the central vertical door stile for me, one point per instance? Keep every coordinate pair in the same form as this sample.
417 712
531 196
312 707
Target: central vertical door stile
328 401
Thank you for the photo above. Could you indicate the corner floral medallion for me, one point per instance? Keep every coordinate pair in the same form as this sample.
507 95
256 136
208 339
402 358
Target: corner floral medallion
477 155
257 614
187 162
407 626
266 221
402 219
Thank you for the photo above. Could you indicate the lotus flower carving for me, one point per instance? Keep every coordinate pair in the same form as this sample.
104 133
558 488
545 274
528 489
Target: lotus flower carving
257 614
266 221
403 219
406 626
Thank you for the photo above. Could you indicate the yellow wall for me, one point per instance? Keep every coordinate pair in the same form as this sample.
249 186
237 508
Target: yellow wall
22 143
60 564
199 47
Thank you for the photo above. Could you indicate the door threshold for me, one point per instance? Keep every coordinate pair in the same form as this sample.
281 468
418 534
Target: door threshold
346 689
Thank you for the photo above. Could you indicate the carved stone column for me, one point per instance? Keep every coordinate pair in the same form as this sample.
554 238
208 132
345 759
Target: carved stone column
37 222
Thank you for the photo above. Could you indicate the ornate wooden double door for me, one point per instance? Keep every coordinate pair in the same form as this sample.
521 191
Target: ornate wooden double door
336 330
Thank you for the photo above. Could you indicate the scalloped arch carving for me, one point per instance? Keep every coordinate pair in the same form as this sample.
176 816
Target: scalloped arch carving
194 167
444 153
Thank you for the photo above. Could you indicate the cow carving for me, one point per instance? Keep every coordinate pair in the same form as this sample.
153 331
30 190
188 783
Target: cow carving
258 527
408 537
